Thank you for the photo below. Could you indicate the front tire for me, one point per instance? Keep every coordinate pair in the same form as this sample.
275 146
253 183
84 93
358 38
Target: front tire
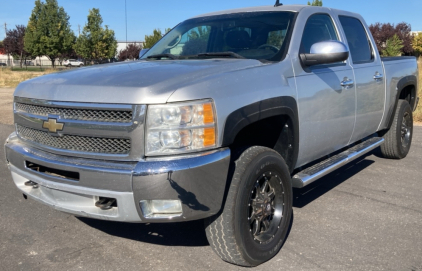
399 138
257 213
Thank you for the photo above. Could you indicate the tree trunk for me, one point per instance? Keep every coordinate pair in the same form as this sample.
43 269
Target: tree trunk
21 60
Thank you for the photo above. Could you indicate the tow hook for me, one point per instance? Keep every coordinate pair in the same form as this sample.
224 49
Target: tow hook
31 183
106 203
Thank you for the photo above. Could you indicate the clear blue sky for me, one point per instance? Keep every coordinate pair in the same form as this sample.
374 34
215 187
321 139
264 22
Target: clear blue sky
144 16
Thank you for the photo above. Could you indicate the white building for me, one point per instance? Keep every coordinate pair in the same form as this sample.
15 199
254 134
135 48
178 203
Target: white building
5 59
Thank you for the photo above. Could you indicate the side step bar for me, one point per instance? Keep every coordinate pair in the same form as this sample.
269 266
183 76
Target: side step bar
313 173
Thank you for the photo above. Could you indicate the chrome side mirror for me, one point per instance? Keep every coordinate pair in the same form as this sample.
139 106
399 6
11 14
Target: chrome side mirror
143 52
325 52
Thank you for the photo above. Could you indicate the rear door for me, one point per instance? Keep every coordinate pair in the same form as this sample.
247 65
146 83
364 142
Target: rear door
326 109
369 78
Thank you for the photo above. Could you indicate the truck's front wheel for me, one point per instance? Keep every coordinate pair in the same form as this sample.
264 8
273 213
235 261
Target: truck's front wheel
257 213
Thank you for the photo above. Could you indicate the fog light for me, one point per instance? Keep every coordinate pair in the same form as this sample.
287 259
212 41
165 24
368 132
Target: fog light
161 208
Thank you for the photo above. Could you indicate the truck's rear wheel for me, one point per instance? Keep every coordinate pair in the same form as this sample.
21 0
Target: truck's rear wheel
399 138
256 216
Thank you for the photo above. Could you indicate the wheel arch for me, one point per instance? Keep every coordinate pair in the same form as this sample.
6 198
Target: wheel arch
242 127
406 90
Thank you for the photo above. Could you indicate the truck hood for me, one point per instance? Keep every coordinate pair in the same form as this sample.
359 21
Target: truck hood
140 82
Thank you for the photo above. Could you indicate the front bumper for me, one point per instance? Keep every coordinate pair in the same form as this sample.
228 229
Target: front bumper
198 181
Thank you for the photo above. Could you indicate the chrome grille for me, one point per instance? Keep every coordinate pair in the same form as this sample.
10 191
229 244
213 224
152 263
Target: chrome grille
76 143
77 113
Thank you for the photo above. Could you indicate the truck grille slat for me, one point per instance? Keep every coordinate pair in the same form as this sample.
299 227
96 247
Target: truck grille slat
76 143
77 114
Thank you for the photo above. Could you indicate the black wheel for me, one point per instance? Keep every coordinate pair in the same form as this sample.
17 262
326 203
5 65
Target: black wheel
256 216
399 138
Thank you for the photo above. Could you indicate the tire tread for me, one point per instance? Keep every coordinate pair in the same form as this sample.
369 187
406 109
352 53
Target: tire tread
391 149
219 230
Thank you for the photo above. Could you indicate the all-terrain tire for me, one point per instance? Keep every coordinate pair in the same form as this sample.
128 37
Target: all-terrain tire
258 172
399 138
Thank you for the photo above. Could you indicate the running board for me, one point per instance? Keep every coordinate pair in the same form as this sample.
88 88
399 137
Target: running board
313 173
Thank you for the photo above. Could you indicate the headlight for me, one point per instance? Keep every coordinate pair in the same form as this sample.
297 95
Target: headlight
180 128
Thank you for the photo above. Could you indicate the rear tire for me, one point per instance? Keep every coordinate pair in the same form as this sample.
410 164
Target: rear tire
257 213
399 138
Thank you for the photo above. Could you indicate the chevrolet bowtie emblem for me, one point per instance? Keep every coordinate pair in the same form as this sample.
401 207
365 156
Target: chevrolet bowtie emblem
52 125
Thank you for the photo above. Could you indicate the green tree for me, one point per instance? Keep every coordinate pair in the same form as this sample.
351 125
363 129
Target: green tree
393 46
96 42
48 32
417 43
151 40
317 3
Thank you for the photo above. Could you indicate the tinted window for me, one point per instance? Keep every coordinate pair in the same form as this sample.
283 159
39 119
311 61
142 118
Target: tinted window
359 45
253 35
319 27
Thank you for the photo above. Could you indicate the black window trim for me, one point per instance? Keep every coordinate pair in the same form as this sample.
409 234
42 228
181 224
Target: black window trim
371 46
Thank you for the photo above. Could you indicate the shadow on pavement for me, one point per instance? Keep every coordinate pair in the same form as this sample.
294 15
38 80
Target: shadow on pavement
304 196
190 233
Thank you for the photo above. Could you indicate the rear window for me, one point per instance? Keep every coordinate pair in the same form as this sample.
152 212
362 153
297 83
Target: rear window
357 39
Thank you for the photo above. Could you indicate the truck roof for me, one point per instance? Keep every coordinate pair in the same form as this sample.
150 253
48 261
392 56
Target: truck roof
294 8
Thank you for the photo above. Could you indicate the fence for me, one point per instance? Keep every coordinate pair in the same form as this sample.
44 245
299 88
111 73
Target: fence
45 63
37 62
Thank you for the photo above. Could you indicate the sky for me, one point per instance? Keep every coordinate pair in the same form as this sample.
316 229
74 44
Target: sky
144 16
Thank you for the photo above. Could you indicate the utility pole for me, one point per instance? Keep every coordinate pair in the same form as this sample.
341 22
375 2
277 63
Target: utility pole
126 26
7 51
79 30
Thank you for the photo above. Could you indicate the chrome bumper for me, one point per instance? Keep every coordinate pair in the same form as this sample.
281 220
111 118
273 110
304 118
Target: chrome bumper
198 181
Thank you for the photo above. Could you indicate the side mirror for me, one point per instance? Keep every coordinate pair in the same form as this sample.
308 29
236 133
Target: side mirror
325 52
143 52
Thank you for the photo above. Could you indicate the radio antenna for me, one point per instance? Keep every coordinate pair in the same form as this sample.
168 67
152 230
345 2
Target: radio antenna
277 3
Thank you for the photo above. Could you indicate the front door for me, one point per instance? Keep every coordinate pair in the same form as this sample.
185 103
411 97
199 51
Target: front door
326 108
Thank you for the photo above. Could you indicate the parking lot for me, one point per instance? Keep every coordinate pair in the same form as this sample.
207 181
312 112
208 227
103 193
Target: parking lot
364 216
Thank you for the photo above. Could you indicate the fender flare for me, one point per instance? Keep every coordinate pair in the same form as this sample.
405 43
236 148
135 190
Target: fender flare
410 80
249 114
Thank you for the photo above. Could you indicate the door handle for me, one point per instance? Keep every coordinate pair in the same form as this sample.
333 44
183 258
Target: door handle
347 82
378 76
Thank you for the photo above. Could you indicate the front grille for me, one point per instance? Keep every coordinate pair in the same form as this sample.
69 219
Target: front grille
76 143
77 114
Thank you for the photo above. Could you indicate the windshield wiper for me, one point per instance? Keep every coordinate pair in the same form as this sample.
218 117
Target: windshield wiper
160 56
221 54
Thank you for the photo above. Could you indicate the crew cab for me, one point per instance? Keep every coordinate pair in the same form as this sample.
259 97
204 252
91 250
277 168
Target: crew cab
217 121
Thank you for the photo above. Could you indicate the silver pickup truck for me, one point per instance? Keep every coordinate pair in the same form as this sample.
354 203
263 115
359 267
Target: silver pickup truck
217 121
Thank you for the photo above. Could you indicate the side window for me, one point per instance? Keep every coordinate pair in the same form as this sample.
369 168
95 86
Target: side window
319 27
359 44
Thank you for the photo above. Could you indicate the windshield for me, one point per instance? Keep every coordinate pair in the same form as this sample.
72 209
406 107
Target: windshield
252 35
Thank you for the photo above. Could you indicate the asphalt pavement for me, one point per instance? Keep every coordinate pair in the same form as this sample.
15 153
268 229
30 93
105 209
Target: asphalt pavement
364 216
